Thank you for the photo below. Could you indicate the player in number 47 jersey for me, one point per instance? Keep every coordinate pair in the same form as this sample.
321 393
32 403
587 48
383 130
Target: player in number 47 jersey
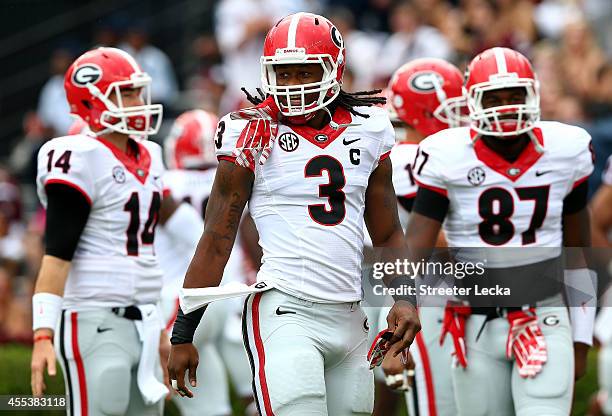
425 97
327 172
99 282
510 180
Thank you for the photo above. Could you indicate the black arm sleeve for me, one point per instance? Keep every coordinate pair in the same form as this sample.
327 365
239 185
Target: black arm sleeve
406 203
576 199
67 213
185 326
431 204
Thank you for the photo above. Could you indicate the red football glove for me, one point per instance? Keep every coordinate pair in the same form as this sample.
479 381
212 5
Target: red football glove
455 315
379 348
259 135
526 342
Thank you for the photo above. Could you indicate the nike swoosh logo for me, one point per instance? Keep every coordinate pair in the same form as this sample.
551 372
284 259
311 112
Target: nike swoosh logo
279 312
347 142
100 330
538 173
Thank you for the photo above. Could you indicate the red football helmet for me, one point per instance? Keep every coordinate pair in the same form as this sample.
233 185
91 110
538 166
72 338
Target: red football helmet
190 143
499 68
303 38
94 76
426 94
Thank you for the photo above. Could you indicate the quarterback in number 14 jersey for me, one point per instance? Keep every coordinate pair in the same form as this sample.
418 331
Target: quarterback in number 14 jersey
312 189
125 197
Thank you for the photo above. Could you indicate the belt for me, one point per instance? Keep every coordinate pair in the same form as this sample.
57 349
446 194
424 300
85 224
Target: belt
492 312
128 312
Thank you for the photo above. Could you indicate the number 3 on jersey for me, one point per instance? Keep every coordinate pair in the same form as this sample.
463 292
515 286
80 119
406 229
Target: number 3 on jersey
332 190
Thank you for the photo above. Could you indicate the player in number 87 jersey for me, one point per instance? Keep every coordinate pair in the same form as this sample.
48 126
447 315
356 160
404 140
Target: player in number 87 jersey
509 180
99 278
327 172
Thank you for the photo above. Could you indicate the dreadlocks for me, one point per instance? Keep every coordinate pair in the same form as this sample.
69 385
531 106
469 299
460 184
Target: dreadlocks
347 100
350 100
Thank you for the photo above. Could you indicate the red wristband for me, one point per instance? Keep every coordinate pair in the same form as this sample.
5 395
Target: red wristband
42 338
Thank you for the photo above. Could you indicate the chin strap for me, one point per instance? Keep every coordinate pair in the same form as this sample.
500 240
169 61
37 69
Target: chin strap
335 125
535 142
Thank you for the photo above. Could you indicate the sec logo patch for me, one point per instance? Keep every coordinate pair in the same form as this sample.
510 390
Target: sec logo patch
119 174
288 142
476 176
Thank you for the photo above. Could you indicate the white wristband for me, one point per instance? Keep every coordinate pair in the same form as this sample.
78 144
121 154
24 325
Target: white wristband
583 322
46 310
581 290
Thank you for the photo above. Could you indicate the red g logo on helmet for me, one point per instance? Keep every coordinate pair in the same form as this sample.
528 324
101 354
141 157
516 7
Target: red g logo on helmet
86 74
424 82
337 37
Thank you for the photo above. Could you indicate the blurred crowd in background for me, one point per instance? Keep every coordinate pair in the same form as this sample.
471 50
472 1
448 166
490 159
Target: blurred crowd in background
569 42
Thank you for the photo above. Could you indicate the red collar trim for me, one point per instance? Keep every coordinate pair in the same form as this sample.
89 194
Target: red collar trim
137 164
341 116
528 157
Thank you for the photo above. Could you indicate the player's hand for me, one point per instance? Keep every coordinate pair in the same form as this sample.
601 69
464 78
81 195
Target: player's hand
183 357
526 342
581 351
164 354
455 315
259 135
43 357
404 322
398 370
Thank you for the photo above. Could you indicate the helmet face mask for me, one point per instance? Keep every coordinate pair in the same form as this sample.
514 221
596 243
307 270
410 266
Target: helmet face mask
94 84
139 120
300 39
502 69
451 111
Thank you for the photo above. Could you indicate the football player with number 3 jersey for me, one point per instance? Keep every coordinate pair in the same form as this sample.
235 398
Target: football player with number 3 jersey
425 97
312 162
510 180
98 287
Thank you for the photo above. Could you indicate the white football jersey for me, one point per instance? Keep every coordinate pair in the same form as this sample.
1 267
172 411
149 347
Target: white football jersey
402 156
606 177
496 203
308 202
114 263
193 187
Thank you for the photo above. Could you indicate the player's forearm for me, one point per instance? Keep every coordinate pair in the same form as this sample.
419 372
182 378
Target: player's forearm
52 275
230 193
576 236
47 299
601 216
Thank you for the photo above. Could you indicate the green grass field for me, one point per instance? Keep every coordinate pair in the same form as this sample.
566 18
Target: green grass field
15 379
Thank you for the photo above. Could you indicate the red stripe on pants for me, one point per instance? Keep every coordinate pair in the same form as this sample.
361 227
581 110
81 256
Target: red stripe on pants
261 356
79 363
431 396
